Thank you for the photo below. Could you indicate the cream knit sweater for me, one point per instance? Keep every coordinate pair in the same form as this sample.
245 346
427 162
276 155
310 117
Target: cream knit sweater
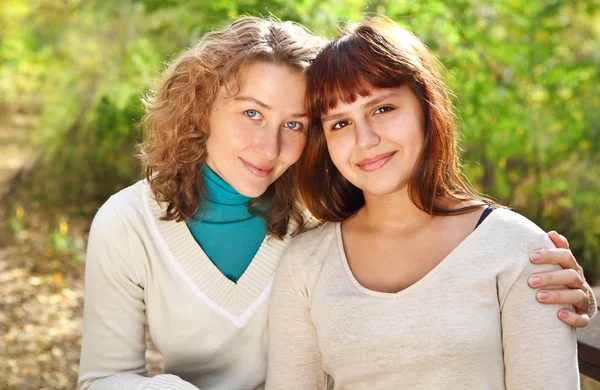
139 269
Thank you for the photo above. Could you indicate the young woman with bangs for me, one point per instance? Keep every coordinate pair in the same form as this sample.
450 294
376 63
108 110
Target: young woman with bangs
414 281
191 250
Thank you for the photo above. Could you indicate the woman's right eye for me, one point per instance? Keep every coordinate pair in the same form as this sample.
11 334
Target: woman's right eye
252 114
339 125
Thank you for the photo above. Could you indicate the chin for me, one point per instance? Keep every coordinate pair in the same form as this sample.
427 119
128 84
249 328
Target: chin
381 189
251 191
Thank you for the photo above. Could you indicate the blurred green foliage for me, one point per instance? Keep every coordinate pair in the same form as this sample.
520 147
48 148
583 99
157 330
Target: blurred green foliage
525 75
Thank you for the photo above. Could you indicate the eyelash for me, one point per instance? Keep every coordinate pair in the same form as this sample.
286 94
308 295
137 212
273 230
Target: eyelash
300 126
258 116
252 117
383 110
335 125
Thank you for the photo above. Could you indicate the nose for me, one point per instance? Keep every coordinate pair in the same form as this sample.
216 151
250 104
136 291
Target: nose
366 136
269 143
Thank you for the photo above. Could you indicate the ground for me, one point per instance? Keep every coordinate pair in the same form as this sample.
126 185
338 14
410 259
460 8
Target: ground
40 313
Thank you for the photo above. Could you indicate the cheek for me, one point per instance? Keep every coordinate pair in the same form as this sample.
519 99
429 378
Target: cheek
229 136
241 138
415 139
406 132
340 150
293 145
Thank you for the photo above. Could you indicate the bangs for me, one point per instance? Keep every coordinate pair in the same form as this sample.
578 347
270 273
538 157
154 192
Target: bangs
351 67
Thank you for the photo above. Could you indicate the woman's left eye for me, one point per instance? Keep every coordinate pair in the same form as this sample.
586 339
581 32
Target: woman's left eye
252 114
383 109
293 125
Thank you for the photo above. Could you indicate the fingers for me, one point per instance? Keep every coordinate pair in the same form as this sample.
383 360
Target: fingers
560 256
559 240
571 276
565 277
575 297
573 319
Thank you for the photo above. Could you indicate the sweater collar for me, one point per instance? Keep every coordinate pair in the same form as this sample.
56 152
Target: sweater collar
220 192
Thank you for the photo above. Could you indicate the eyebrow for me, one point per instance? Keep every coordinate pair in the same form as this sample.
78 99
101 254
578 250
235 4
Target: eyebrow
300 115
251 99
377 100
327 118
264 105
370 103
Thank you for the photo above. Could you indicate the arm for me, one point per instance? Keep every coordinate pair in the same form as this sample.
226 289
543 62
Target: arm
294 356
113 345
577 292
540 351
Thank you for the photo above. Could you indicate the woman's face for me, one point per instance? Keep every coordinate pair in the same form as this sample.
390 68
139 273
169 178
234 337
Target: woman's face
375 141
257 128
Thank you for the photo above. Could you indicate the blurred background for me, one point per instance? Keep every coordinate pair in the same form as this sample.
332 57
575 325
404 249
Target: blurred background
525 73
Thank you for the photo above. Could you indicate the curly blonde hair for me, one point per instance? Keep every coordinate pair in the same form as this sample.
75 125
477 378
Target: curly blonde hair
175 125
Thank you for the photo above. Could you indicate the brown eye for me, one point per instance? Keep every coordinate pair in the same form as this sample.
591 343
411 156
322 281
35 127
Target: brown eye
340 125
383 109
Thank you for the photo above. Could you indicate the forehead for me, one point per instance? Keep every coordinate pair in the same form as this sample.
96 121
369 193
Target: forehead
267 80
340 102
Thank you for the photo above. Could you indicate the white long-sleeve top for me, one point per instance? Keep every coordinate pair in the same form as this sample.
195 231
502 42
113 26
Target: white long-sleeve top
139 269
471 323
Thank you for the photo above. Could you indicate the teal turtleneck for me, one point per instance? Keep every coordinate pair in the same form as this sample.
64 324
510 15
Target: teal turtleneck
224 228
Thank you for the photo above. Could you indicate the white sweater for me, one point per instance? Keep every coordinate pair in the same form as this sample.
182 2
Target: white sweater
139 269
471 323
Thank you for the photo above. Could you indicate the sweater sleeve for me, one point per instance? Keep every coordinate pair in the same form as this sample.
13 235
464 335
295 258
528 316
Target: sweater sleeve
113 343
294 356
540 351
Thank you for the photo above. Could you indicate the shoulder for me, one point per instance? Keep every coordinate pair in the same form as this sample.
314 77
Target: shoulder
308 251
128 199
118 235
508 239
513 230
123 209
309 242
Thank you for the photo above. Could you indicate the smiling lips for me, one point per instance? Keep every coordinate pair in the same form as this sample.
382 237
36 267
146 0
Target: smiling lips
258 170
376 162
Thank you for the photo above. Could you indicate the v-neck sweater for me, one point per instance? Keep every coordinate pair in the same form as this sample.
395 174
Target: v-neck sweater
143 270
471 322
224 227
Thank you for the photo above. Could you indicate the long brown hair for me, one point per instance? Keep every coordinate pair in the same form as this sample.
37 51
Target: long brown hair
380 54
176 122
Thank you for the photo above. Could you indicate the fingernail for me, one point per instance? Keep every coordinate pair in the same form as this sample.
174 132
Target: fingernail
542 295
534 281
563 315
535 257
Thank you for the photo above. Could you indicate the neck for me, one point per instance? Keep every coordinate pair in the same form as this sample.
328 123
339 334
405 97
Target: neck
393 212
220 192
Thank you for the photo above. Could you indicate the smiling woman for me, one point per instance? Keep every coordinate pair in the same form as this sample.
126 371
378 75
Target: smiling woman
414 281
191 251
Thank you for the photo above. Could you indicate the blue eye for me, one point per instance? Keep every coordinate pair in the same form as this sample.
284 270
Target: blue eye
251 114
293 125
340 125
